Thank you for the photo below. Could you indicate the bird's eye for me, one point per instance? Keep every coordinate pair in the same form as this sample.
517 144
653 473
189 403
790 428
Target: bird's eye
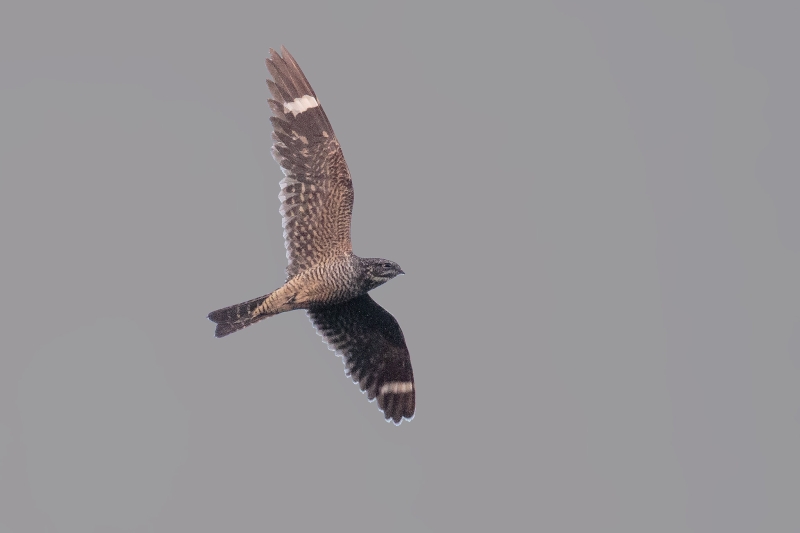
387 265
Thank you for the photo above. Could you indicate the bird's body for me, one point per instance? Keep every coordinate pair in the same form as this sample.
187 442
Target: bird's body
324 276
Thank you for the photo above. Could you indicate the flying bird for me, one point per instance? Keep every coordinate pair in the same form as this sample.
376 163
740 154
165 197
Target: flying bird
324 277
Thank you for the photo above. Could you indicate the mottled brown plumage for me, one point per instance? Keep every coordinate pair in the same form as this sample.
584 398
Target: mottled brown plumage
323 275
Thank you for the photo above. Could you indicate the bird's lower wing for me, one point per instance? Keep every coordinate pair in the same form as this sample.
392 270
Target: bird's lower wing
374 352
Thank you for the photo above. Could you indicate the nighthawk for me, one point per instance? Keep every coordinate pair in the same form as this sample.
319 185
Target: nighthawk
324 277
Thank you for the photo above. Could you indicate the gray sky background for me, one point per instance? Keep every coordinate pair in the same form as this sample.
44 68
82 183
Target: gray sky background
595 204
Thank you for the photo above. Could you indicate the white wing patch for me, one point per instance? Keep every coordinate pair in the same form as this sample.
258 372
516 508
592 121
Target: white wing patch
298 105
397 387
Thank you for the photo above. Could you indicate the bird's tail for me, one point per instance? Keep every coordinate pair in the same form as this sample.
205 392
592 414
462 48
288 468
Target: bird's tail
239 316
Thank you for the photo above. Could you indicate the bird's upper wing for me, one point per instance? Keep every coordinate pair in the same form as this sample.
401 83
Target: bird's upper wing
374 352
316 192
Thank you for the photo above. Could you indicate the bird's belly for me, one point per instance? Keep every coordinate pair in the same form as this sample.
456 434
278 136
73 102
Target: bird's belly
322 291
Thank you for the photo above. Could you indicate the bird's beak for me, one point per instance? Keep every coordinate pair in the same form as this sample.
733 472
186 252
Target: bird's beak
401 271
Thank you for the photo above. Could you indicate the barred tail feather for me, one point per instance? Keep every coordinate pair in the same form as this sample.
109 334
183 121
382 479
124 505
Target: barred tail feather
236 317
226 328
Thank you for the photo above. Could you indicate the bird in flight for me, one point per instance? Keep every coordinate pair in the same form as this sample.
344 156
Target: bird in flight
324 277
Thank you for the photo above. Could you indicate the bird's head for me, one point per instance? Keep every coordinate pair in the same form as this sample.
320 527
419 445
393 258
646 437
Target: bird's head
379 271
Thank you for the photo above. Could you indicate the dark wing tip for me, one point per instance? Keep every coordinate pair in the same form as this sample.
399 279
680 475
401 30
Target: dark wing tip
297 102
397 400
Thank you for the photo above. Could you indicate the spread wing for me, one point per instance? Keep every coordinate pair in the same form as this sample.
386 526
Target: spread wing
374 352
316 192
